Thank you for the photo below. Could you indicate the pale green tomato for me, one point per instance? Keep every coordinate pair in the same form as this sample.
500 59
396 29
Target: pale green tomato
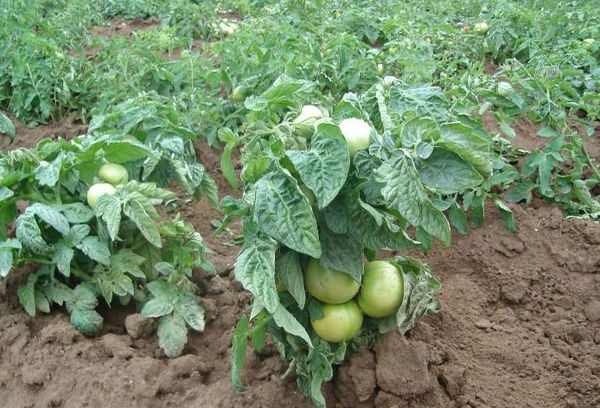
239 93
339 322
481 27
304 124
357 133
113 173
382 289
505 89
328 285
98 190
588 43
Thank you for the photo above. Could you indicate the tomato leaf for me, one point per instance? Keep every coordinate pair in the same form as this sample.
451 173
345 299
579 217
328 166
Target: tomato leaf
342 253
137 213
469 145
506 215
30 235
324 167
448 172
403 191
7 127
172 335
284 319
81 307
288 269
255 270
458 218
420 289
283 212
239 345
95 249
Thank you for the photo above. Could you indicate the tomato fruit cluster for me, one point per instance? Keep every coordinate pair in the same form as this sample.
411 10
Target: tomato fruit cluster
113 174
345 301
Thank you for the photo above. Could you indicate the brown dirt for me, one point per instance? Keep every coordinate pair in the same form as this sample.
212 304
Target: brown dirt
121 27
520 327
525 132
28 137
231 15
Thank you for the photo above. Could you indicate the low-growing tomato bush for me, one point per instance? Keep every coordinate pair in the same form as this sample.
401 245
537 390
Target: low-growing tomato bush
91 240
391 169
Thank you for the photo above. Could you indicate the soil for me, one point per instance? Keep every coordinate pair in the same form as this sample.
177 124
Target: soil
122 27
29 136
519 327
525 132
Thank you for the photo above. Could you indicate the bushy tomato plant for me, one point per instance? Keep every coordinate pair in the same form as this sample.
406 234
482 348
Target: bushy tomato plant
125 246
390 169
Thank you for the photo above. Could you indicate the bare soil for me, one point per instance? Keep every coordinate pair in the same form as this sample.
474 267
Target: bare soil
122 27
29 136
520 327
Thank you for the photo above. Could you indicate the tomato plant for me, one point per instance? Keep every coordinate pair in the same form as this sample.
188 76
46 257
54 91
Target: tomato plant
126 246
379 164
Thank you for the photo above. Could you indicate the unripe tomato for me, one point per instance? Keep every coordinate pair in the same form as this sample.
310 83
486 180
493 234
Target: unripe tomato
382 289
505 89
239 93
328 285
304 124
340 322
98 190
481 27
357 133
113 173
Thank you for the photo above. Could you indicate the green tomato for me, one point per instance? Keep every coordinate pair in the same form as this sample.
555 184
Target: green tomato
505 89
113 173
304 124
481 27
239 93
357 133
98 190
328 285
382 289
339 322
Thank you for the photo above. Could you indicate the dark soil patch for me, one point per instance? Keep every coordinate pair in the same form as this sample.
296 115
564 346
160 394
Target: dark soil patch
196 46
520 327
121 27
231 15
29 137
525 132
491 68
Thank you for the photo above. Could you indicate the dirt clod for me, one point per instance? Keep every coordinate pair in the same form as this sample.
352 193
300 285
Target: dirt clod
402 366
355 382
592 311
138 326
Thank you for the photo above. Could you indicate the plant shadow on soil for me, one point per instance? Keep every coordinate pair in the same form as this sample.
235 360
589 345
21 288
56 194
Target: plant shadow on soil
519 327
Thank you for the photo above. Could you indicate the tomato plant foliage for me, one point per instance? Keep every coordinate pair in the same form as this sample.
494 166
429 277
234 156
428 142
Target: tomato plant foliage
421 162
128 248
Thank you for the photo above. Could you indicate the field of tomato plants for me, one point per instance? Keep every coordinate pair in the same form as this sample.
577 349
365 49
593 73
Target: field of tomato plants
255 203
